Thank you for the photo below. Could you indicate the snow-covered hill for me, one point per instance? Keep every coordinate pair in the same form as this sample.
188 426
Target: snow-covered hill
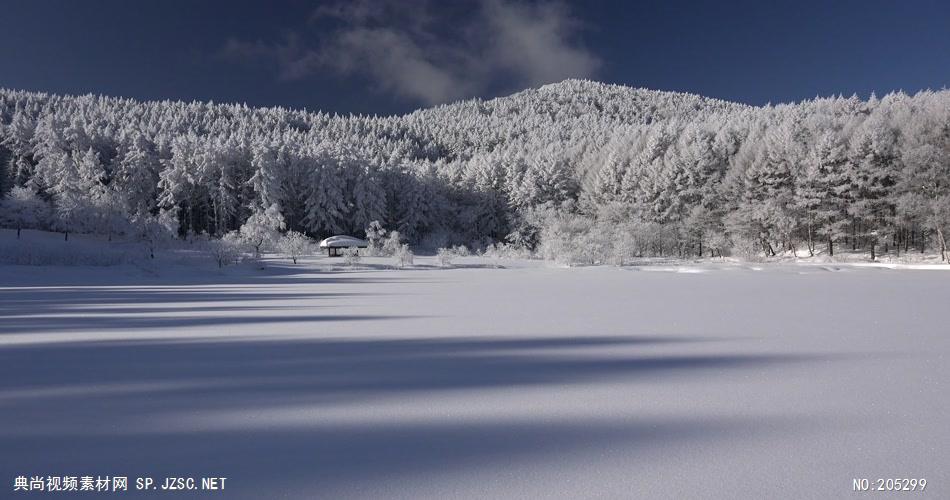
707 176
560 109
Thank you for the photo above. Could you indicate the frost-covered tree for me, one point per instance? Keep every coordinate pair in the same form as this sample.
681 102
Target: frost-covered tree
23 209
351 256
547 181
369 198
155 231
823 193
687 170
17 137
295 245
228 249
445 256
374 236
391 244
135 177
872 179
924 185
326 206
268 178
565 239
403 256
262 229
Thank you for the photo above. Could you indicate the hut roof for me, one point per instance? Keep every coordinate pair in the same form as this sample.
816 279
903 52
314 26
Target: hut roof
343 241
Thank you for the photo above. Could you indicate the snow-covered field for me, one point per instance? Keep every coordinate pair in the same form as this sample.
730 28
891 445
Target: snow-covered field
529 381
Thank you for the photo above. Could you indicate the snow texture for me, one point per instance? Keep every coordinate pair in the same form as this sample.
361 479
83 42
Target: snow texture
306 381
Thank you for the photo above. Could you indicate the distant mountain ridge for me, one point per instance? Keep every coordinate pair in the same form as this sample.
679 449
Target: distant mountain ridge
584 96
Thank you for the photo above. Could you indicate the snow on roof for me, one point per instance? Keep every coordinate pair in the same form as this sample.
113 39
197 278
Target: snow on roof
343 242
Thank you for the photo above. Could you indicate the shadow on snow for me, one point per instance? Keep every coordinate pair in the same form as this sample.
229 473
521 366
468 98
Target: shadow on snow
129 407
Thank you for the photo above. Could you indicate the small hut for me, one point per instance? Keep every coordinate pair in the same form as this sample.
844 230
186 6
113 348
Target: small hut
336 244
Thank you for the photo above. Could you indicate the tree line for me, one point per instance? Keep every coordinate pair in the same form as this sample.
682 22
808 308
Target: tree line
571 165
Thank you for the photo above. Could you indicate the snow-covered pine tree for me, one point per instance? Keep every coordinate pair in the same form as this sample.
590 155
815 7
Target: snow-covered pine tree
822 195
326 207
136 175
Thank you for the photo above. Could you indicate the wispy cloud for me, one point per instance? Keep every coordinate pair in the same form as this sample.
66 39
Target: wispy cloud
431 53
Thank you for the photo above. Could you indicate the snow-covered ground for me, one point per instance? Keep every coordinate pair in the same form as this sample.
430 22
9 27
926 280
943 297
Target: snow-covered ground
528 381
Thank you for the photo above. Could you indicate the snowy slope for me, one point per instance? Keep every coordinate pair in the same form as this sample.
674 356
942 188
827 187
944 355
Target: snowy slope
566 102
530 381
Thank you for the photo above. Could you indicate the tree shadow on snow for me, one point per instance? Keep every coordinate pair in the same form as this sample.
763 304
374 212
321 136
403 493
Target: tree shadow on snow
254 408
130 407
25 310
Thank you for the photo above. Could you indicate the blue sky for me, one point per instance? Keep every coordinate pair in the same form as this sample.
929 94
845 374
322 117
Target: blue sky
393 56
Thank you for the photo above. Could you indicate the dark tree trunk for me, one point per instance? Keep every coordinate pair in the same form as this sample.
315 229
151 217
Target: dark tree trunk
811 242
943 245
854 235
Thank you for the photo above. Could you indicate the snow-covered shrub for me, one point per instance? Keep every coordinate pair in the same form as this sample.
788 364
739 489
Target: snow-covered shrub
658 240
573 239
262 229
445 257
351 256
155 231
22 208
527 225
717 244
295 245
760 226
596 246
747 248
227 250
507 251
375 235
391 244
623 246
564 239
404 256
461 251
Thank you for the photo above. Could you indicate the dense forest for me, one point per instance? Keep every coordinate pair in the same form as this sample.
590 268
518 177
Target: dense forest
578 170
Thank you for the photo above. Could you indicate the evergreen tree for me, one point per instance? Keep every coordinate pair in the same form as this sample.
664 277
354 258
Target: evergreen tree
823 192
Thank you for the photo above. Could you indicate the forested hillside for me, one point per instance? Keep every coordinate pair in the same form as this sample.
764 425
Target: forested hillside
578 170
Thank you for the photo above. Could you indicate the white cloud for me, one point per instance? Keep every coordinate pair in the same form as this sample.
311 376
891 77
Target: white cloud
430 53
